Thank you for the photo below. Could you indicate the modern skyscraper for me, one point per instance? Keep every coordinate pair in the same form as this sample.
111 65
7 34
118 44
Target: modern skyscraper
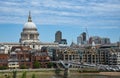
63 41
58 36
96 39
99 40
81 39
84 36
105 40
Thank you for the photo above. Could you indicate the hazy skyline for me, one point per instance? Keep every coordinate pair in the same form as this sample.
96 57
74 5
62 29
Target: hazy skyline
72 17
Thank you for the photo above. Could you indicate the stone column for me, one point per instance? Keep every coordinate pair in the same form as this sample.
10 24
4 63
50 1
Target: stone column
28 36
91 59
87 57
68 57
64 57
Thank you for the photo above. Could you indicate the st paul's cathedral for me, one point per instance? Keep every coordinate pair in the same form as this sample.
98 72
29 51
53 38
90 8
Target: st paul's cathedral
29 37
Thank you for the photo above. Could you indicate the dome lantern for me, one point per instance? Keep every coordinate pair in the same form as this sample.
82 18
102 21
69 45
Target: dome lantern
29 24
29 17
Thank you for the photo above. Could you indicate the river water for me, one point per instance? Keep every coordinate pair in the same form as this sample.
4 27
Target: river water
81 76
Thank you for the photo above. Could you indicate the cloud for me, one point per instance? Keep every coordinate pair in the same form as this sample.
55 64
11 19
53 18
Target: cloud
74 12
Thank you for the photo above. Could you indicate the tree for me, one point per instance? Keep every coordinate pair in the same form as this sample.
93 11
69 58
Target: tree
3 67
23 67
33 76
49 65
36 64
24 75
14 74
57 71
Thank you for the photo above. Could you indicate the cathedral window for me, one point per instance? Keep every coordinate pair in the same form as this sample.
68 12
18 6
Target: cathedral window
31 36
33 46
25 36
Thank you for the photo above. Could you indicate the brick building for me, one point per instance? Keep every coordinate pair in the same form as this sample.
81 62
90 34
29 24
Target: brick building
26 57
41 57
4 60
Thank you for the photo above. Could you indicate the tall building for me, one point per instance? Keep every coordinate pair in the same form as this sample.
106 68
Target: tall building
99 40
81 39
58 36
63 41
96 39
84 36
105 40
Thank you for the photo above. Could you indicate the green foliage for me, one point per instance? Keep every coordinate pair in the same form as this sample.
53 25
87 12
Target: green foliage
24 75
23 67
49 65
14 74
57 71
33 76
3 67
36 64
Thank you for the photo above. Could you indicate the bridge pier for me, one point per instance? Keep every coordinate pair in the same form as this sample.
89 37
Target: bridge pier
66 73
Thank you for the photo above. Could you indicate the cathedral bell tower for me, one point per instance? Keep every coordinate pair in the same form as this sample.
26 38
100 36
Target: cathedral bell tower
29 33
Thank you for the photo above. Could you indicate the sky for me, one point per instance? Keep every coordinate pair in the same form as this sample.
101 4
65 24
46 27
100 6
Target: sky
71 17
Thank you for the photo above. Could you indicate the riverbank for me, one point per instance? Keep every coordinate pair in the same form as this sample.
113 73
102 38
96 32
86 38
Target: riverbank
51 72
97 73
110 73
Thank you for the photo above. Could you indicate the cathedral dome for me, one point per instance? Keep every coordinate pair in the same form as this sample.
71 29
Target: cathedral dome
29 25
29 33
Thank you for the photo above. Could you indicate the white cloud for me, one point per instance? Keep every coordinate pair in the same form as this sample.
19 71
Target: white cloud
61 11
